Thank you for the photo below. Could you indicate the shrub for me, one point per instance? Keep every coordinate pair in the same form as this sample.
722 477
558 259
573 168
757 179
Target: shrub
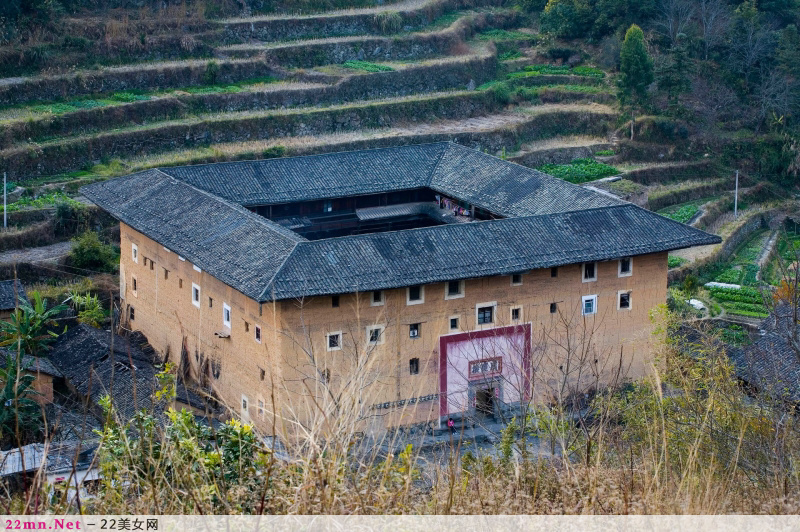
211 73
274 151
90 253
675 262
683 214
501 93
389 21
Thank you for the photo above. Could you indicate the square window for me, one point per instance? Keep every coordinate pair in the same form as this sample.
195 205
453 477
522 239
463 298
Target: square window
413 330
516 314
413 366
135 253
226 315
195 295
334 301
589 271
516 279
589 305
415 295
258 334
485 314
553 308
554 271
624 301
244 405
625 267
375 335
334 341
454 289
131 313
327 206
377 298
453 324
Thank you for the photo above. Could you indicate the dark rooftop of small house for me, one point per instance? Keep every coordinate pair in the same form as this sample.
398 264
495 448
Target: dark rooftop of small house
771 364
519 219
127 374
11 292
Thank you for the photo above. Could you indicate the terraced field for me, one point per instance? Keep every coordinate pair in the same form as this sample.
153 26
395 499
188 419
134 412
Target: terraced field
196 90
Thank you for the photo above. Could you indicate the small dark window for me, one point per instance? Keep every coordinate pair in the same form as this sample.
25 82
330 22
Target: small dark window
515 314
589 270
333 341
326 375
554 271
263 373
334 301
377 296
453 288
413 366
453 324
485 315
553 308
210 302
258 334
625 300
180 283
413 330
516 278
166 274
375 335
414 293
327 206
624 266
152 265
131 313
134 284
246 327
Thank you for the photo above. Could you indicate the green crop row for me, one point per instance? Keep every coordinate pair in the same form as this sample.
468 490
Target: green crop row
741 295
542 70
579 170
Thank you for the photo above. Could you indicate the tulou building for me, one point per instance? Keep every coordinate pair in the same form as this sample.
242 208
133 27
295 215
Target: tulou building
395 286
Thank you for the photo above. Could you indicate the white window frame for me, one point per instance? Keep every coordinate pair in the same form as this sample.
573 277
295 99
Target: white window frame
511 277
226 309
257 334
328 342
181 259
196 289
381 335
492 304
419 301
135 253
419 330
372 301
593 299
583 272
196 268
166 249
511 314
619 267
460 293
630 300
245 406
458 323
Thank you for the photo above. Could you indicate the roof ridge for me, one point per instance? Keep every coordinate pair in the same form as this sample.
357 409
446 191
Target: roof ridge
438 161
278 270
325 154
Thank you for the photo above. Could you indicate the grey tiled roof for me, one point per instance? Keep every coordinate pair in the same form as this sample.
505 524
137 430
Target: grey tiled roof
459 251
549 222
238 247
9 294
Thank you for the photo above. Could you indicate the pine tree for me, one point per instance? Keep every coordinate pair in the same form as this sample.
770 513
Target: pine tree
636 72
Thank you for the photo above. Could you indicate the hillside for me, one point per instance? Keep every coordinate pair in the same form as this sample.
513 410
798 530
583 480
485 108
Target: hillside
94 89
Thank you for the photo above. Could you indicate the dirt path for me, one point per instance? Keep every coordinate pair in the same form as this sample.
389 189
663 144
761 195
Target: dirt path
49 253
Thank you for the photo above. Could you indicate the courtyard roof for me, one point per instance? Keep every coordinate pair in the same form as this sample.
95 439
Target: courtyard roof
198 212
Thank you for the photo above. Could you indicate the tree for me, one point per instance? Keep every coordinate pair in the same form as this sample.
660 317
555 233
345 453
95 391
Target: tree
714 18
673 77
27 328
19 411
636 72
